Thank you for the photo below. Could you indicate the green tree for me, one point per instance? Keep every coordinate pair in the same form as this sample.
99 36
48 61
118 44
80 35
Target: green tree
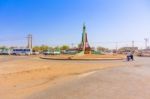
50 48
64 47
3 48
12 47
57 48
44 48
36 49
102 49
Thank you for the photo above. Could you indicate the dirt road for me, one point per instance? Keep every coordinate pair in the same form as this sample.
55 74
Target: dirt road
22 76
125 82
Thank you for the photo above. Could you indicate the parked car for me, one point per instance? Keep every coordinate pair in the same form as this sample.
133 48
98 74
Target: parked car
70 52
51 53
35 53
5 52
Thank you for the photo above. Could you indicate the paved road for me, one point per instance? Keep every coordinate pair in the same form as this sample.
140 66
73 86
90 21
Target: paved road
125 82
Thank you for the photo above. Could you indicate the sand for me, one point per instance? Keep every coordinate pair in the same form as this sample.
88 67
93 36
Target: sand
23 76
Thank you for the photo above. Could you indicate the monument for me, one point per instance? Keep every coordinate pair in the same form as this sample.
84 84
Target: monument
84 52
84 46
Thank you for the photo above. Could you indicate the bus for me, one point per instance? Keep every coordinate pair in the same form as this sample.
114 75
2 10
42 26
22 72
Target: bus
22 51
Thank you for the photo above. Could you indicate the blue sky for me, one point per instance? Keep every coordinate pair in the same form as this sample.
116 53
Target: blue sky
56 22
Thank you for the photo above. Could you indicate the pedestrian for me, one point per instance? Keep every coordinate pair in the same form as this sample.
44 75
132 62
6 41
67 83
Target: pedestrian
129 56
132 57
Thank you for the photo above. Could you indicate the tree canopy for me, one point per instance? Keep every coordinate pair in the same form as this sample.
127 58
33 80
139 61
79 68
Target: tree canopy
102 49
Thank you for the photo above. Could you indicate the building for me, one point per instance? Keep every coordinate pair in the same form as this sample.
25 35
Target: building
124 50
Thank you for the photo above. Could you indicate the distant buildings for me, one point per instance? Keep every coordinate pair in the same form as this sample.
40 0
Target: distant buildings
127 49
144 52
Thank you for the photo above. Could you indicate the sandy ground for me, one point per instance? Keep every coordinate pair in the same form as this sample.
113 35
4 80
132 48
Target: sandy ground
22 76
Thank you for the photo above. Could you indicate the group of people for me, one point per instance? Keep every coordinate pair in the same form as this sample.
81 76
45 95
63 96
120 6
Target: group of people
130 56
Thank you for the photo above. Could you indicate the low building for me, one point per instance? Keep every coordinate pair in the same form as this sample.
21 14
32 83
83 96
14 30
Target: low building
124 50
144 52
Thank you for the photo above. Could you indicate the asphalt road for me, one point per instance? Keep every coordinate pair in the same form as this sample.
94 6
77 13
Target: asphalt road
124 82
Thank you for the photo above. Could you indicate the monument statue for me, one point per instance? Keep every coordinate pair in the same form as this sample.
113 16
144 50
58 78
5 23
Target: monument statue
84 46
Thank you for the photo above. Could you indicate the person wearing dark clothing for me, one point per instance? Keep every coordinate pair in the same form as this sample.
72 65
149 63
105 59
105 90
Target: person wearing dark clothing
130 56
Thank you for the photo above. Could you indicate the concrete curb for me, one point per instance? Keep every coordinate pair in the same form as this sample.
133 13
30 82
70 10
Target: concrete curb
96 59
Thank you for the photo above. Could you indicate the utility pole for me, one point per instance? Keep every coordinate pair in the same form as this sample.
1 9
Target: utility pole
72 45
116 46
29 38
146 42
132 44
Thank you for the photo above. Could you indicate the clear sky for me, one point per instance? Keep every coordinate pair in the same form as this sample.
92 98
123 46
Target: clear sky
55 22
